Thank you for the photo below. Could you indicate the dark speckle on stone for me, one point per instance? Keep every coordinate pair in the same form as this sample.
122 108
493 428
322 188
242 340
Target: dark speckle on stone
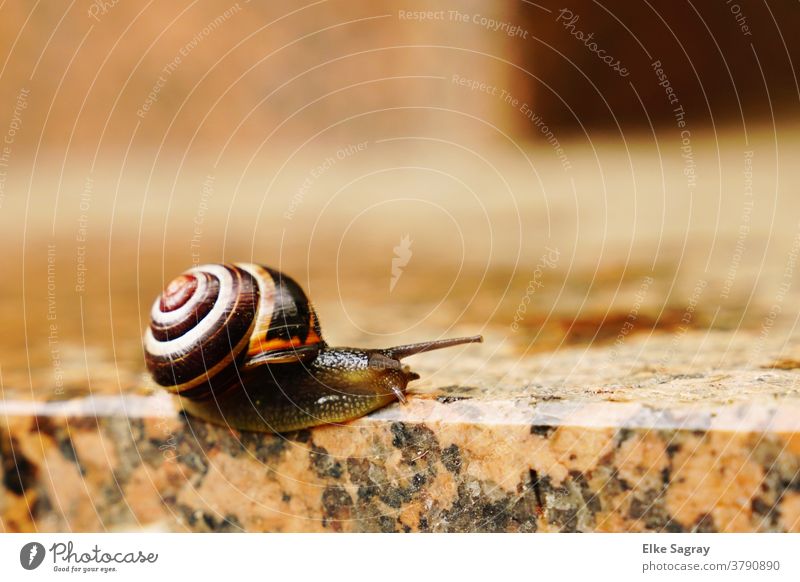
525 511
367 492
301 436
792 484
324 464
770 513
496 516
230 444
459 390
415 441
209 521
623 435
386 524
67 450
192 516
44 424
451 459
202 521
591 499
613 485
400 435
19 474
536 487
474 511
230 523
359 471
135 428
337 506
194 461
62 439
270 449
395 496
638 508
649 508
550 398
542 430
561 504
705 524
451 399
196 429
566 519
42 505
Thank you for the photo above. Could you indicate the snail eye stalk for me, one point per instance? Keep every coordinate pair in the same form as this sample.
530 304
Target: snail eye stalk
400 352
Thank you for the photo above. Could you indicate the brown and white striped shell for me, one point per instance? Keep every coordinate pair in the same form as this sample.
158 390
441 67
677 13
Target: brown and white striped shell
214 321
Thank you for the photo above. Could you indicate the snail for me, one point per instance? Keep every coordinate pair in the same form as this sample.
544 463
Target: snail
241 346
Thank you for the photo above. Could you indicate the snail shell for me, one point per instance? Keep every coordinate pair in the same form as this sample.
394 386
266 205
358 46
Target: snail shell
213 322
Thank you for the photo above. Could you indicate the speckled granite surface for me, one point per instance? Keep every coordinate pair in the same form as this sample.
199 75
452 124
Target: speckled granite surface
694 445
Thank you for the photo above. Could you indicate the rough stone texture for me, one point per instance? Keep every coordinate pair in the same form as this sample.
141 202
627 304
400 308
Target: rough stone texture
689 447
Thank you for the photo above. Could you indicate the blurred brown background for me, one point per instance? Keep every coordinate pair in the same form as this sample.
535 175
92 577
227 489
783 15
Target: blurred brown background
142 138
241 70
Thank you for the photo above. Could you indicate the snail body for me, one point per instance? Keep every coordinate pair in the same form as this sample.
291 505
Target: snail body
241 346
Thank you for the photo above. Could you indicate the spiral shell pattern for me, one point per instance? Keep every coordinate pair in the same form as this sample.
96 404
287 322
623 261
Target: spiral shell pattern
213 321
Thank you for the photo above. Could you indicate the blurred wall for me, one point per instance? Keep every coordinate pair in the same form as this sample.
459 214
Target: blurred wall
109 73
725 62
187 72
